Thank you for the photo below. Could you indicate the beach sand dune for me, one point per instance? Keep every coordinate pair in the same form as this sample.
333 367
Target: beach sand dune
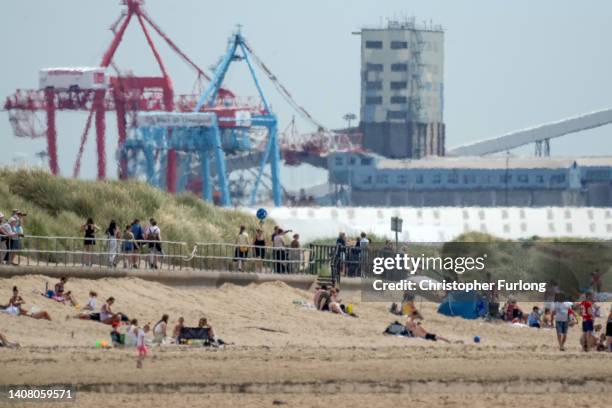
283 353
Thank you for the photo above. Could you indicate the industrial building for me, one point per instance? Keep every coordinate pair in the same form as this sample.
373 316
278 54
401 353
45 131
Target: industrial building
373 180
402 89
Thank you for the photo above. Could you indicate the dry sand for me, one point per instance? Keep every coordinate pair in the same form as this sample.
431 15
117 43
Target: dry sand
285 355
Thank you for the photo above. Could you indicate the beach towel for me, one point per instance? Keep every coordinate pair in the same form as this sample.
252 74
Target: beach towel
194 333
397 329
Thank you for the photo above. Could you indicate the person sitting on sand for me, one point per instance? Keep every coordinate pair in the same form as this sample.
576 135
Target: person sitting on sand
317 295
15 307
203 324
513 312
4 342
335 303
408 305
159 330
131 335
107 316
547 319
92 302
176 332
60 294
533 320
413 325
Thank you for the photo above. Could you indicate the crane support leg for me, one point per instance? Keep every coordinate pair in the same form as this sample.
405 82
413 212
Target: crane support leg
100 130
51 131
275 166
207 193
221 171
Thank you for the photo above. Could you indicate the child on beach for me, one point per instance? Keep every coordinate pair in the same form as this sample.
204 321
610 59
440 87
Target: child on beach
140 344
534 318
92 302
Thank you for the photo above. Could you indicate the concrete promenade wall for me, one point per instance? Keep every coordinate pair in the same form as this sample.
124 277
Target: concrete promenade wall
177 277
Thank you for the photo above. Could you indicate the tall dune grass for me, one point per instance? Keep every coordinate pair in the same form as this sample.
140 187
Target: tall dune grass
58 207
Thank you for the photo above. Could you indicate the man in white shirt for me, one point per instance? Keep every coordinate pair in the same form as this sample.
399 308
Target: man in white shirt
562 311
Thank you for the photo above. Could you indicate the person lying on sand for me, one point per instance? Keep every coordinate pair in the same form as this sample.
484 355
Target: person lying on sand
414 326
107 316
4 342
15 307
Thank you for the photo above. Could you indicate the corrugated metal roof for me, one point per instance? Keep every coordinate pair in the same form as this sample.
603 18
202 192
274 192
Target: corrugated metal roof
495 162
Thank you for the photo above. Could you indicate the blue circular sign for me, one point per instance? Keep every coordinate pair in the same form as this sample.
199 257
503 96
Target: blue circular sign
262 214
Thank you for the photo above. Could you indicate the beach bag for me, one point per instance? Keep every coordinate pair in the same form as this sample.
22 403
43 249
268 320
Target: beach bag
397 329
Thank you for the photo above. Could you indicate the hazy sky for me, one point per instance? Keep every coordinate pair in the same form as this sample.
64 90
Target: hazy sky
509 65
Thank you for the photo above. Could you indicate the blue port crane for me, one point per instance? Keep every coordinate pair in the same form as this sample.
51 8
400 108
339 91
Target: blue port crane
218 126
239 51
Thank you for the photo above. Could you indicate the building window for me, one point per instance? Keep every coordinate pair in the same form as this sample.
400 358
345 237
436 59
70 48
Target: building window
395 85
382 179
339 161
374 44
399 99
397 114
374 85
373 100
366 161
420 179
399 45
374 67
436 179
402 179
453 178
399 67
539 178
558 179
505 178
522 178
352 160
469 179
367 180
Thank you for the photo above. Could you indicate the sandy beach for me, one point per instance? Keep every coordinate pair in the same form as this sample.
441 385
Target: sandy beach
285 354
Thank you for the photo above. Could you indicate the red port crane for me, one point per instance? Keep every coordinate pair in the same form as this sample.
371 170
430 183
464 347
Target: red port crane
125 94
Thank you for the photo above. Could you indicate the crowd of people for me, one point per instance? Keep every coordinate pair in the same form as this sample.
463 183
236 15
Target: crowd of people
125 332
127 244
286 256
561 315
11 235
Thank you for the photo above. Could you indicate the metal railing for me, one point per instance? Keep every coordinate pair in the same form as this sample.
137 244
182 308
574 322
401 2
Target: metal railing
252 258
110 253
105 252
341 261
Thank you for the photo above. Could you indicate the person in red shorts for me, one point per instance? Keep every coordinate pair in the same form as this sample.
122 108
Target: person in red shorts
140 344
586 310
